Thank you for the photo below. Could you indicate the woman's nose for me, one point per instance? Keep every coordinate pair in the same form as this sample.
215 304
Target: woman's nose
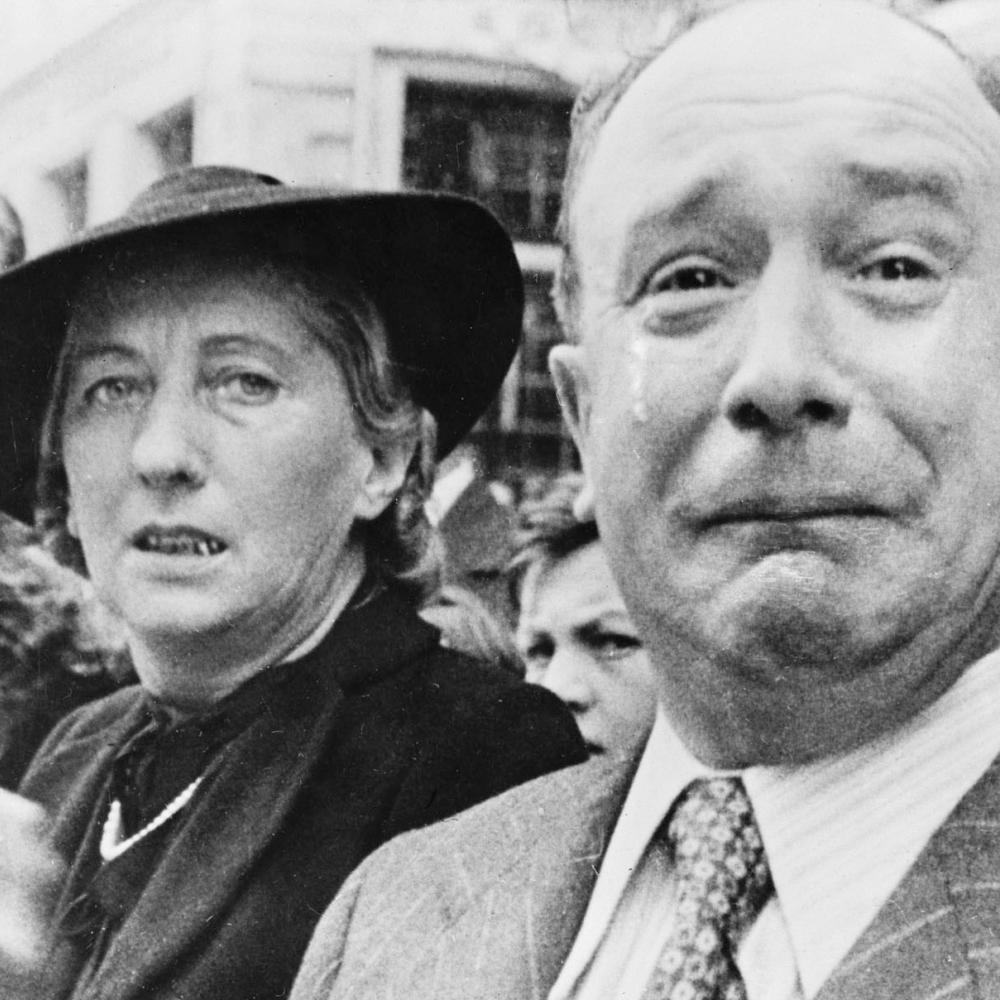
166 453
785 379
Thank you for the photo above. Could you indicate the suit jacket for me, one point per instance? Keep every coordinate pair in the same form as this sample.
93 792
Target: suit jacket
391 733
487 905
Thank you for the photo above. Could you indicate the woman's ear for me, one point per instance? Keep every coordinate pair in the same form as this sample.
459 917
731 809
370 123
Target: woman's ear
385 477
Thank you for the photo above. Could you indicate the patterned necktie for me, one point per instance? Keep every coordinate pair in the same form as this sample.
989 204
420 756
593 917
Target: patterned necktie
723 882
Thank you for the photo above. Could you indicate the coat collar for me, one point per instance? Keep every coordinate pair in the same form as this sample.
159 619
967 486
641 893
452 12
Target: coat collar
277 752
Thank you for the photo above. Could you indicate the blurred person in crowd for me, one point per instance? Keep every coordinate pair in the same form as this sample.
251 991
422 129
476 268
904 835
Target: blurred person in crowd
781 241
58 647
476 519
468 625
248 383
573 631
12 249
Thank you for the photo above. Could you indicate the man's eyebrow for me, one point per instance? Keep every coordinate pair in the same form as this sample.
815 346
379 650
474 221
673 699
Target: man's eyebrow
691 202
885 183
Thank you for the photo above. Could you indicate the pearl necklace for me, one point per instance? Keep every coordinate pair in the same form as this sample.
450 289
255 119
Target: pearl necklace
112 844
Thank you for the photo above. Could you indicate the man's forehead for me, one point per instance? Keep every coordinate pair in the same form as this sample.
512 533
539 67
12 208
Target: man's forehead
811 37
777 86
762 51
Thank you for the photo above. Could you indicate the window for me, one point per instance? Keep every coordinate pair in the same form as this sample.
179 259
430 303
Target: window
503 147
522 435
173 133
71 184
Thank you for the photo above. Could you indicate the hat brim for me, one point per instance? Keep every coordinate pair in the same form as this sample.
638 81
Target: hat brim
440 269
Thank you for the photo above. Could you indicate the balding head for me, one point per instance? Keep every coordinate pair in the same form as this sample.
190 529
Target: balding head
786 237
600 97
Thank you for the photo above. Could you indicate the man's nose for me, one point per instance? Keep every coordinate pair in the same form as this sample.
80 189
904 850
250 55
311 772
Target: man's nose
785 378
166 448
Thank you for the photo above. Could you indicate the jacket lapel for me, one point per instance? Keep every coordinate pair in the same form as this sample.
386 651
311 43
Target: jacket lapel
938 936
564 869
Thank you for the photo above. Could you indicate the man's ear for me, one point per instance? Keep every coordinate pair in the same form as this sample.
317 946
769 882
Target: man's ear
71 525
567 365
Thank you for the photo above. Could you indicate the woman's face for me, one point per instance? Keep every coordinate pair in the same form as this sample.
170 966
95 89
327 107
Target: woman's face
214 465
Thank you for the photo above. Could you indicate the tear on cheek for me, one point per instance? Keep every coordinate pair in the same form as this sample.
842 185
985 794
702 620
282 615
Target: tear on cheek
638 353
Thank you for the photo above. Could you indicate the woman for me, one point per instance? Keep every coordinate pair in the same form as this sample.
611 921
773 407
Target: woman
237 444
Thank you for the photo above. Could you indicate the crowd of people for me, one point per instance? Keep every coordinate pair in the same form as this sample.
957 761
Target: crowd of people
711 719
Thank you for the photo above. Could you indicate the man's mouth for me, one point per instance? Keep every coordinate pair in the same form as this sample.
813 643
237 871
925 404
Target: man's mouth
178 542
784 511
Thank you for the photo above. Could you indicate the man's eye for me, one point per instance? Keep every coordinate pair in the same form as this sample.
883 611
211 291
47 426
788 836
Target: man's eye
113 391
690 276
247 387
899 268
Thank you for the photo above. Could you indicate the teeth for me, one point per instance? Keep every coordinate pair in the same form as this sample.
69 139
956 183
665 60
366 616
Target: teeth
174 545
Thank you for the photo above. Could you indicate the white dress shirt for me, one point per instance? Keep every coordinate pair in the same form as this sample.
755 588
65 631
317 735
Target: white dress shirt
840 834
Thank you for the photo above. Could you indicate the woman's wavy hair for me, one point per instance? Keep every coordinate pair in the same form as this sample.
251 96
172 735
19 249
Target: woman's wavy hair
401 547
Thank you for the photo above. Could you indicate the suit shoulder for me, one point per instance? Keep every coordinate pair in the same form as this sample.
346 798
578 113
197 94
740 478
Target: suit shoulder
495 835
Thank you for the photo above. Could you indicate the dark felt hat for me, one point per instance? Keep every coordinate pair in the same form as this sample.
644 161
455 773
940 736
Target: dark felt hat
439 267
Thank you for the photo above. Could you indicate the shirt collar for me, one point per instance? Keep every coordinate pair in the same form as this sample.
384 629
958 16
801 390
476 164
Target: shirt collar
845 830
664 771
842 831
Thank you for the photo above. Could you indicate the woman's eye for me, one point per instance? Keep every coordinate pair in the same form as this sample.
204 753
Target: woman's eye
248 387
113 391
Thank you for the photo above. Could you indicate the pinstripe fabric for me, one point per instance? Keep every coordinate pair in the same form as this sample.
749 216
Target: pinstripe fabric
939 935
482 907
847 830
488 905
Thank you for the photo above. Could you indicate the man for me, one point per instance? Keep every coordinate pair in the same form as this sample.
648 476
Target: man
780 284
573 632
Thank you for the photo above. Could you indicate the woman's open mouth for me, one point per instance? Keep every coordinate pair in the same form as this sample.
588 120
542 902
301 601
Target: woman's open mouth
179 541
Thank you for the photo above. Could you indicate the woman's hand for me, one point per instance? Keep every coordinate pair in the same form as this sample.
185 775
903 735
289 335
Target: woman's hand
30 876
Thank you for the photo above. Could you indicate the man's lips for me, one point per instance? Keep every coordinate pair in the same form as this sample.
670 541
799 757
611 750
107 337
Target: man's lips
789 511
177 540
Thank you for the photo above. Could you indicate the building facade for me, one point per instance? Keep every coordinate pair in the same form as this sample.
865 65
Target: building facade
99 98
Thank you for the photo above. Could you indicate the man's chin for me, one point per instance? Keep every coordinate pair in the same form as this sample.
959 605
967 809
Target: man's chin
783 631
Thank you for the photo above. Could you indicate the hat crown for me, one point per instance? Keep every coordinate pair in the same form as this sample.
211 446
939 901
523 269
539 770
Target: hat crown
186 191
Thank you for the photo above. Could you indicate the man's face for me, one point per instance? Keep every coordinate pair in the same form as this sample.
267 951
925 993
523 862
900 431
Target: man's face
786 398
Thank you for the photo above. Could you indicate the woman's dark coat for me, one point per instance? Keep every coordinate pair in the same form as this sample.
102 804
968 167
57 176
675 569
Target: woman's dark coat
394 733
